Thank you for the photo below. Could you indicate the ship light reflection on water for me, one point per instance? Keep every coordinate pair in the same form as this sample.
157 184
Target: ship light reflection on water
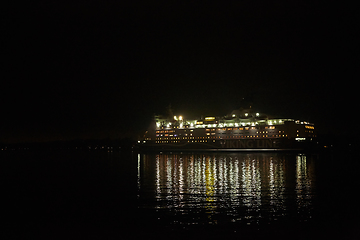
220 188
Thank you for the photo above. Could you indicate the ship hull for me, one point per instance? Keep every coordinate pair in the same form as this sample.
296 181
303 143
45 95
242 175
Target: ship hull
231 145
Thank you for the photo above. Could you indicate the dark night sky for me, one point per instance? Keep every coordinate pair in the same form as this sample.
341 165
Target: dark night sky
102 69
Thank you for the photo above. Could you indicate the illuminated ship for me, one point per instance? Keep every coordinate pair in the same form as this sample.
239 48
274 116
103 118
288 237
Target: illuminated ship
242 130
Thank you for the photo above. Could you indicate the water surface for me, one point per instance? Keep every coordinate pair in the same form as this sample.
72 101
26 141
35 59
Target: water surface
235 189
126 195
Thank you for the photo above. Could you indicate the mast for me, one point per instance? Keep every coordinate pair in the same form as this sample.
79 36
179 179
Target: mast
170 112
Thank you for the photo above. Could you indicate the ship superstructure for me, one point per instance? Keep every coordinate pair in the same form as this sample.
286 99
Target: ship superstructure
231 131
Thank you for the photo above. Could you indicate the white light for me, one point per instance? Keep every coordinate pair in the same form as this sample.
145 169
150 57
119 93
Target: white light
233 115
246 114
175 118
236 124
257 114
180 118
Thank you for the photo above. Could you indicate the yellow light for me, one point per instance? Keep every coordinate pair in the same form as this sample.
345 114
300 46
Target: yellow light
209 118
175 118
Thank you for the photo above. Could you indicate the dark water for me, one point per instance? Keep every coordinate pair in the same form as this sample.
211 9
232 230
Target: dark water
228 188
125 195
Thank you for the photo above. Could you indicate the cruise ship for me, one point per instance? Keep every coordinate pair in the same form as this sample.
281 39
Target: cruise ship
241 130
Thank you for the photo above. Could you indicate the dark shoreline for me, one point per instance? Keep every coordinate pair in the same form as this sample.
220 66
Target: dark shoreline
324 143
